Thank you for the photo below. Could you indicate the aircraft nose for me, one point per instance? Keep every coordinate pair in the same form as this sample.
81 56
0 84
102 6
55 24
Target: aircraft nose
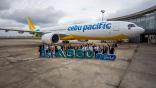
142 30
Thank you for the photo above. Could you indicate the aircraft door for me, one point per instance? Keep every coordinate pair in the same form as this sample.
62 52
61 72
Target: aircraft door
115 30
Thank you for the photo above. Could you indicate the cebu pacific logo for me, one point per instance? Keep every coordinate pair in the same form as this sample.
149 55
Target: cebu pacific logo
101 25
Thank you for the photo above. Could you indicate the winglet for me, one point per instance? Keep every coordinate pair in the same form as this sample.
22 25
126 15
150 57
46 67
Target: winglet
31 24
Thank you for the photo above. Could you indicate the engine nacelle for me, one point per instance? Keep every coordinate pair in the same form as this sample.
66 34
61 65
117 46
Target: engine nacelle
50 38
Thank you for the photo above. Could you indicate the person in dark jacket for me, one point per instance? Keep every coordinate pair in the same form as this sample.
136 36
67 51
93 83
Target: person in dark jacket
41 49
112 50
105 50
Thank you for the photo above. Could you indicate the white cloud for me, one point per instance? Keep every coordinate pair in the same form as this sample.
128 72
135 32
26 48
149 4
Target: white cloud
40 16
4 4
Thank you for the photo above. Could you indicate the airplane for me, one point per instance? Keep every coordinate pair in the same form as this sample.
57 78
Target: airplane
99 30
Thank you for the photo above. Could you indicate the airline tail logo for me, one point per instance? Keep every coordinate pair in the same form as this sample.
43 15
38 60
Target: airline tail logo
32 25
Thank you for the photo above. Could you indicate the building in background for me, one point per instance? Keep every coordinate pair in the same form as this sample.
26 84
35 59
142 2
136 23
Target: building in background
145 19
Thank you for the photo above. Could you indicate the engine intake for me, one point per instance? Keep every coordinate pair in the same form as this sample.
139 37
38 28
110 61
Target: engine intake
50 38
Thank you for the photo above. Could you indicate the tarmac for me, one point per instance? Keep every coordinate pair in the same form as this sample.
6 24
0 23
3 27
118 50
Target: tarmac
21 67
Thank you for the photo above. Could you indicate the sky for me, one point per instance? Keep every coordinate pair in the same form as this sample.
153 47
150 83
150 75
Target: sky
48 13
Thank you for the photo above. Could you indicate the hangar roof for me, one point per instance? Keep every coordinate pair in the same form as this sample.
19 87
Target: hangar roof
136 15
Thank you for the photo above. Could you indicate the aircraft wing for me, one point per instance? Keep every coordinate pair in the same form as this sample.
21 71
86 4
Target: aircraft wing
18 30
60 32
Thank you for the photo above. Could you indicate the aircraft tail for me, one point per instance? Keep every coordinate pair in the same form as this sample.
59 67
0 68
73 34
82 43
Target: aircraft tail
31 24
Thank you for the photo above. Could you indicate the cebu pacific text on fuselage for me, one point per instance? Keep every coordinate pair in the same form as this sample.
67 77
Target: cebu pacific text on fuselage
101 25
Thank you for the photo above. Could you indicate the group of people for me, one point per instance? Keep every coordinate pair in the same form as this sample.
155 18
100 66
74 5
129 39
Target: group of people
96 48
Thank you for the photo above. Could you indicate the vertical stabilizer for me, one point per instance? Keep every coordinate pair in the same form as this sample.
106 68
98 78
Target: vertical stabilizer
31 24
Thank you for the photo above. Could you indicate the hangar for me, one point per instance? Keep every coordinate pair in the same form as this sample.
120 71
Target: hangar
145 19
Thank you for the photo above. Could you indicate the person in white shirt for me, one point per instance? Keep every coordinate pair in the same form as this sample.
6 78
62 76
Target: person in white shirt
96 49
58 47
91 48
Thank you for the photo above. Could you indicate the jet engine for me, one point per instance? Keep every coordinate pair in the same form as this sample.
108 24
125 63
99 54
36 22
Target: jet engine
50 38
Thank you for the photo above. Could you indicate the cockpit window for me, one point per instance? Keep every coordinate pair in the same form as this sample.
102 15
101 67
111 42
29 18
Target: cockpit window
131 25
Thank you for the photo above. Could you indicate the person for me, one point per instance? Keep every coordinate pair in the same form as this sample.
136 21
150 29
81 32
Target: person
52 50
41 48
84 47
81 46
105 50
112 50
46 49
116 45
90 48
56 49
108 46
69 46
62 47
100 49
96 49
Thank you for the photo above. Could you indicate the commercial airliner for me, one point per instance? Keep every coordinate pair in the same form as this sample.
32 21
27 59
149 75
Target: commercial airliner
100 30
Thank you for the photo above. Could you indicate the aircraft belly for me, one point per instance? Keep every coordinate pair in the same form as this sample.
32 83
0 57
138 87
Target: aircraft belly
92 33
